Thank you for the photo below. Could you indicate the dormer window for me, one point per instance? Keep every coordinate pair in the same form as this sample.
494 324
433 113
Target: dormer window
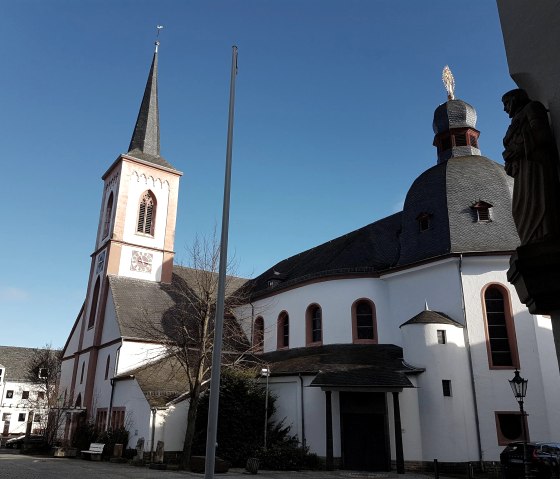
424 221
273 282
482 211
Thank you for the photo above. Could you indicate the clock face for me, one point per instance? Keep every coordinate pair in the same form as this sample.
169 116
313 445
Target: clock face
141 261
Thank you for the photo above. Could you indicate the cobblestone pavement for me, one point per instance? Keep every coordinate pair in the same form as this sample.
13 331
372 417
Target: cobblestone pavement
18 466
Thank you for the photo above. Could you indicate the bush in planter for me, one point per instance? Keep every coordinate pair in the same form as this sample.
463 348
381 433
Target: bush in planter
110 437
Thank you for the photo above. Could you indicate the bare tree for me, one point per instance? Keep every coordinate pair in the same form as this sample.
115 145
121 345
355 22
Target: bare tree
186 329
43 371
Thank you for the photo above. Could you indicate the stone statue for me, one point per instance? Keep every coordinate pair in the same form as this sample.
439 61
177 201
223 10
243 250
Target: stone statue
531 158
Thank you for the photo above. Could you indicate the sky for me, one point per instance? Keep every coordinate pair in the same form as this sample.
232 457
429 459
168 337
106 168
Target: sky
333 122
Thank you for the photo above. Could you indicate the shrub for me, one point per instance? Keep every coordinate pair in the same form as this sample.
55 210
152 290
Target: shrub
110 437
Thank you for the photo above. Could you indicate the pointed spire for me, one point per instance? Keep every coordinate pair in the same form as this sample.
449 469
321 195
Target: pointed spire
145 138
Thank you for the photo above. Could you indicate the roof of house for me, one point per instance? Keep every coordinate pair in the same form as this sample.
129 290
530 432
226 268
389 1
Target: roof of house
150 310
446 193
161 381
432 317
349 365
16 361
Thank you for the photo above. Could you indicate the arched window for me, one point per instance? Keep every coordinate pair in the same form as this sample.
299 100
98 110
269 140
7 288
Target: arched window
283 334
107 365
501 343
108 213
314 325
146 213
258 335
364 323
93 308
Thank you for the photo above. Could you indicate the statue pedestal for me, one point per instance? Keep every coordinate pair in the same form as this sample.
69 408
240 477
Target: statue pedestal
535 272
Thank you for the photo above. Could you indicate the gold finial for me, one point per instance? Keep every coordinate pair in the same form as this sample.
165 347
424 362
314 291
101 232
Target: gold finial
449 82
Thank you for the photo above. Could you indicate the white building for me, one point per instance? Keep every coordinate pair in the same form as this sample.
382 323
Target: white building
18 395
391 344
395 342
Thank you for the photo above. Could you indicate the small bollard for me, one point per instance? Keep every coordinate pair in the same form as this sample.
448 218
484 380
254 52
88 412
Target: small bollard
436 469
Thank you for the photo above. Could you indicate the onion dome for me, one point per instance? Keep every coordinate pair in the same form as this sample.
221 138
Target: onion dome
454 125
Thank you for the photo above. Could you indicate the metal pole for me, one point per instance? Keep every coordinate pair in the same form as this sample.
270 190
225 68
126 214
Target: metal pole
219 319
524 426
266 408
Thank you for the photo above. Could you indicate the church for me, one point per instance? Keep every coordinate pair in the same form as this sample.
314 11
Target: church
388 347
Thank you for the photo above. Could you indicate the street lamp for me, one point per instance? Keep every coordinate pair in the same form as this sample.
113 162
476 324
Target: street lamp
519 388
265 372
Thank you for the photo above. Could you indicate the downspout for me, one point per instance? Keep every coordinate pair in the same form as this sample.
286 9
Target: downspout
469 354
154 411
303 441
252 325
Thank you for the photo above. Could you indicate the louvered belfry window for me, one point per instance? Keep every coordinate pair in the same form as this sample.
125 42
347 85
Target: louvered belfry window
146 214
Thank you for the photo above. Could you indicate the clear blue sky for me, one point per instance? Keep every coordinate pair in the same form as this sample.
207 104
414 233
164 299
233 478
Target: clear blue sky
333 123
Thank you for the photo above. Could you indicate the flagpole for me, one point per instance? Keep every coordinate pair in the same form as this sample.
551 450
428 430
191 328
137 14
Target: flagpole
219 320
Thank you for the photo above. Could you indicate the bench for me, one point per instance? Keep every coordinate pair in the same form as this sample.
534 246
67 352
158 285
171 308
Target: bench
95 450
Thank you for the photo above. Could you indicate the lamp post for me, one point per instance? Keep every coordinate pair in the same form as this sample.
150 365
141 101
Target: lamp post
519 388
265 372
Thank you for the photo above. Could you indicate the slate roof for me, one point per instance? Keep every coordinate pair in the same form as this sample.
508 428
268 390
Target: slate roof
350 365
16 361
145 142
160 381
432 317
370 249
147 309
446 192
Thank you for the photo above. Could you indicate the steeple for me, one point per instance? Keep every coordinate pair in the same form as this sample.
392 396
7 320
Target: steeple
145 138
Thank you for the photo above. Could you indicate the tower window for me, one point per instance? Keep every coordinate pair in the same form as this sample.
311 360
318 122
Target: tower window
94 301
500 330
364 325
441 336
460 139
473 141
314 325
108 214
258 335
446 387
283 334
146 214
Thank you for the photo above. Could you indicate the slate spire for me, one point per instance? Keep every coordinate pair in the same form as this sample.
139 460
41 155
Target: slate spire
145 138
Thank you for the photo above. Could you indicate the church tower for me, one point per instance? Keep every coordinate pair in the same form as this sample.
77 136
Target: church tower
136 229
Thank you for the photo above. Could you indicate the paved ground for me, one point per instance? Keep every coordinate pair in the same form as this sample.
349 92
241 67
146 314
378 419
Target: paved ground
14 465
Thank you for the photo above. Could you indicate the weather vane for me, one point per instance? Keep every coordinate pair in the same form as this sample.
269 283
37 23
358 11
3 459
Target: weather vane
158 28
449 82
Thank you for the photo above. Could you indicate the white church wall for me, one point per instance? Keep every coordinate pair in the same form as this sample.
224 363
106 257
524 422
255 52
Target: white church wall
102 390
111 329
549 369
492 387
128 394
171 425
288 407
448 423
410 423
81 379
74 339
436 283
134 354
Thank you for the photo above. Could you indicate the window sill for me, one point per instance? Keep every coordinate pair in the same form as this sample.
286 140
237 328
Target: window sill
364 341
314 343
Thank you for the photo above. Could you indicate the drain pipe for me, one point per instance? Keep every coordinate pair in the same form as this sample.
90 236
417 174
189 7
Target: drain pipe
303 441
469 354
154 410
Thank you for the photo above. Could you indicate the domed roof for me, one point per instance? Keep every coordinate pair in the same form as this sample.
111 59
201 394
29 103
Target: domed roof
453 114
447 196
